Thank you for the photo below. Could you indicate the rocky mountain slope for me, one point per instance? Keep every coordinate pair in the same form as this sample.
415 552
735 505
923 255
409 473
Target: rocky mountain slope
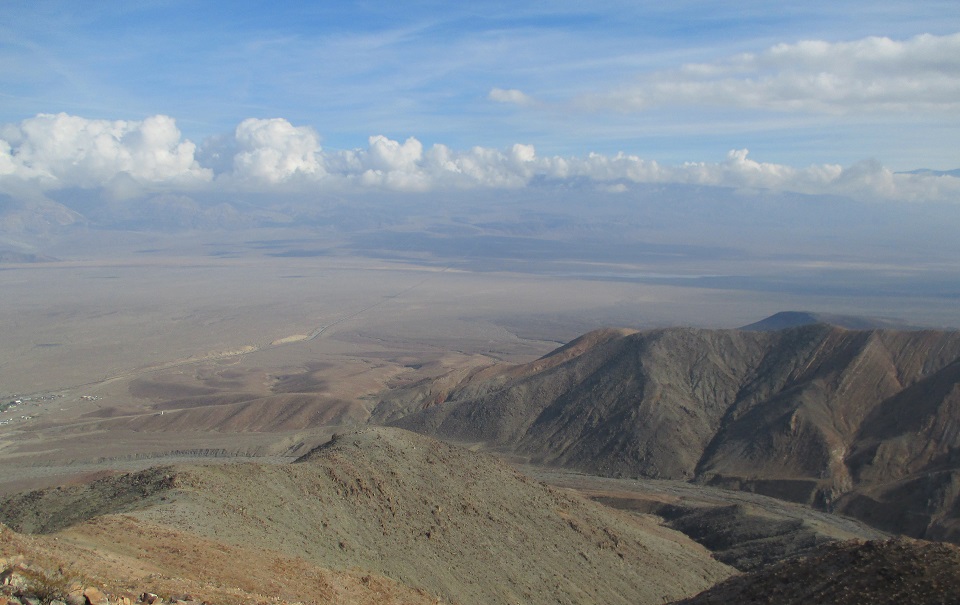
396 508
861 422
876 572
119 560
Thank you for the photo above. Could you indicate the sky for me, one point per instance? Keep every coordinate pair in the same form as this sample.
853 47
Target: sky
811 97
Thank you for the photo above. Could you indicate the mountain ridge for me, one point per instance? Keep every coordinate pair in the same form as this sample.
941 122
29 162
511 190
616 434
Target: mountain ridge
795 413
460 525
793 319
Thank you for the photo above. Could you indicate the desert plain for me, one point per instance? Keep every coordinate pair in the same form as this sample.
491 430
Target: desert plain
117 322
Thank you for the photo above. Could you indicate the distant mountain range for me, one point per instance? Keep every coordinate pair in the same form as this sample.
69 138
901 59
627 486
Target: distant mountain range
12 257
928 172
793 319
862 422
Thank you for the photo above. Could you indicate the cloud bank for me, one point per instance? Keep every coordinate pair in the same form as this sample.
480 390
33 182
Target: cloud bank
60 150
50 152
874 74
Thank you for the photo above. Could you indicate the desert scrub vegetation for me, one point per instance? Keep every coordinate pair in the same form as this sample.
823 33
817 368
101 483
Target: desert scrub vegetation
42 586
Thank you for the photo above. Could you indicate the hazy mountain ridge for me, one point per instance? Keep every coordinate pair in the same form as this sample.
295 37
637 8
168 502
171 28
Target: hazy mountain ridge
793 319
930 172
815 414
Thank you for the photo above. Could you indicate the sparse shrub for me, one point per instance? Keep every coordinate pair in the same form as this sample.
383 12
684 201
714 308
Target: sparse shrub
47 587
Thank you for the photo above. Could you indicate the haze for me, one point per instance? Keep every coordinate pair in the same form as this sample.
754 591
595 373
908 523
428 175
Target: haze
182 180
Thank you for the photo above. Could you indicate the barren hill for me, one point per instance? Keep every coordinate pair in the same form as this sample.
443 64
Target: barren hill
877 572
417 512
862 422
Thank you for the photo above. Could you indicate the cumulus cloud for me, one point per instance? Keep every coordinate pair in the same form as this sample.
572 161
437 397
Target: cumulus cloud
58 151
407 166
874 74
867 180
509 95
483 167
69 151
274 150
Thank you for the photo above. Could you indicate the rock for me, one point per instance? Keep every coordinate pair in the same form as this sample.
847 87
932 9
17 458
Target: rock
95 597
10 562
75 596
15 576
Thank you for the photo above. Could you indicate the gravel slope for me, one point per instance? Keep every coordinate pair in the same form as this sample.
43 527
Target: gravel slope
437 518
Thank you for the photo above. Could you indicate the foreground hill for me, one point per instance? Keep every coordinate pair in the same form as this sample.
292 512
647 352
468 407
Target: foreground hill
862 422
879 573
122 558
407 509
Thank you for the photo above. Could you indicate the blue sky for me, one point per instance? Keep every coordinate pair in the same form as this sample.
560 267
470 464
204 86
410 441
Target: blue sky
799 85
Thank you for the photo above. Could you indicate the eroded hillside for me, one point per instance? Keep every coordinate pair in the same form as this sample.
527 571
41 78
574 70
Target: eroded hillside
432 517
877 572
862 422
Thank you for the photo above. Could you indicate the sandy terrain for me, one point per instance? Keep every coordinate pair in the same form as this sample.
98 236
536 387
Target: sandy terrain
118 304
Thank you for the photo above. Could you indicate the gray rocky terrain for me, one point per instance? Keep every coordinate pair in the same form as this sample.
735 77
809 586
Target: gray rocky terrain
456 524
876 572
631 466
859 422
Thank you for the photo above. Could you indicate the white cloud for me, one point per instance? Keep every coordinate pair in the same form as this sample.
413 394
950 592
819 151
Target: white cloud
273 151
407 166
510 95
482 166
602 168
872 74
384 164
63 151
58 151
393 165
867 180
389 164
390 156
